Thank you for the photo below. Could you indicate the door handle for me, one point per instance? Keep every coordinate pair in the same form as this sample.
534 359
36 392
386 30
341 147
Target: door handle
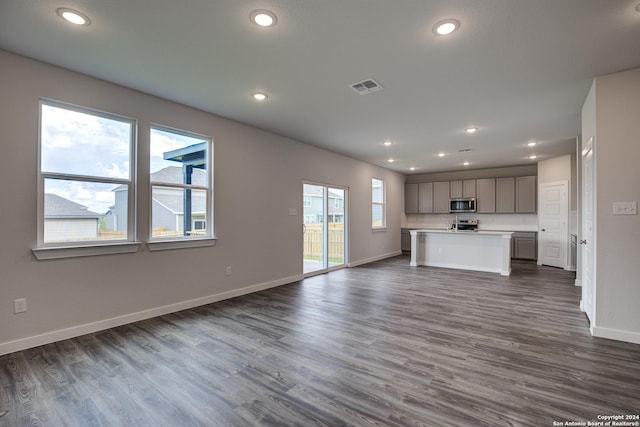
544 229
304 229
583 242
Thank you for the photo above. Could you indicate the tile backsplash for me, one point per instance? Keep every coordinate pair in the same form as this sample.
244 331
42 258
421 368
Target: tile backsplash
506 222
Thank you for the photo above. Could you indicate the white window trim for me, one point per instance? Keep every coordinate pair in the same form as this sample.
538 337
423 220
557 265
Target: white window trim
169 243
57 250
383 227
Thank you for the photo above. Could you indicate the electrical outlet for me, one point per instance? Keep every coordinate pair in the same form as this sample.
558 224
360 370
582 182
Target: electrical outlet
228 270
20 305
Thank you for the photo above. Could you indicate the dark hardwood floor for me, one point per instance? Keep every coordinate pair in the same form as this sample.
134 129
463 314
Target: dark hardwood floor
383 344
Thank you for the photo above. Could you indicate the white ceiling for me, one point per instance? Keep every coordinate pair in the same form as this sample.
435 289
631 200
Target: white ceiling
519 70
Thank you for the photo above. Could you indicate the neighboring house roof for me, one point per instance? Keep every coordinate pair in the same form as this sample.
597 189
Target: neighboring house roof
173 175
175 202
316 190
58 207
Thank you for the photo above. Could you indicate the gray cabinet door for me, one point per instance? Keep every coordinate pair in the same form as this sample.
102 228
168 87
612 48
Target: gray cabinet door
486 195
425 197
441 197
505 195
524 245
411 198
455 189
469 188
526 194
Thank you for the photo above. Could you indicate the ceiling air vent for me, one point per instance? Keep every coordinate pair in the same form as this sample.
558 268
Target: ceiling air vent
366 86
464 150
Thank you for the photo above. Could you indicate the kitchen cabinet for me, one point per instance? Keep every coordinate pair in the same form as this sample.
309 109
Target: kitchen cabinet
526 194
505 195
425 197
441 197
455 189
486 195
405 240
469 188
524 245
411 198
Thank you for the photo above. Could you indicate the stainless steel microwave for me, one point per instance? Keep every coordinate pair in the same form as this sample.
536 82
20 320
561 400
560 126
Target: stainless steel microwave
467 204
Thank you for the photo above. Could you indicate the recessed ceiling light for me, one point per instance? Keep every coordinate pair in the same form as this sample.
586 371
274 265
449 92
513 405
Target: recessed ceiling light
412 168
446 27
259 96
73 16
533 157
440 154
532 144
466 163
391 160
263 18
387 143
471 130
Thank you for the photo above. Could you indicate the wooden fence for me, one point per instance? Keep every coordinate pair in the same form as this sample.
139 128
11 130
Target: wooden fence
313 242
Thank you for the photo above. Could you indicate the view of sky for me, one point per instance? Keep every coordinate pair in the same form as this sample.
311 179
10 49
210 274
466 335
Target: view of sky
83 144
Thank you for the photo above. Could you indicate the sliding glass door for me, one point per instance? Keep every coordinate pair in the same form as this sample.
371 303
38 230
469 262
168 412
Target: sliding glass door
324 227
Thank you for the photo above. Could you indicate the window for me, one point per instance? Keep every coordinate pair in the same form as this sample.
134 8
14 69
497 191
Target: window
307 201
181 183
378 217
86 193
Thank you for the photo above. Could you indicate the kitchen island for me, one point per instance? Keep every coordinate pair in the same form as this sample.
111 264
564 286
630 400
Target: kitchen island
466 250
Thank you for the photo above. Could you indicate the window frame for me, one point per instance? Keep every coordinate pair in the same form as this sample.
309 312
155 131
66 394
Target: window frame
383 204
175 242
68 249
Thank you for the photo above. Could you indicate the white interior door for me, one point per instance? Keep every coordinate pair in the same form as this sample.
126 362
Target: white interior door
587 242
553 228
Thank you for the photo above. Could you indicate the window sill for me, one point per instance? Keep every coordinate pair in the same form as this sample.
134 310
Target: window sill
164 245
379 229
59 252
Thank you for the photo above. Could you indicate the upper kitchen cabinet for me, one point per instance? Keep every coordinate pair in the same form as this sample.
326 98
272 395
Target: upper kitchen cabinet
425 197
411 198
486 195
441 197
526 194
505 195
469 188
455 189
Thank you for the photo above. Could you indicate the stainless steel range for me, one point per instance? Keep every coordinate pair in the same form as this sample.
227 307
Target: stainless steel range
465 224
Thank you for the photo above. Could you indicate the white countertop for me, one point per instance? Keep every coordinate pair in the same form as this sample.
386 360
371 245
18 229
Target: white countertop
478 232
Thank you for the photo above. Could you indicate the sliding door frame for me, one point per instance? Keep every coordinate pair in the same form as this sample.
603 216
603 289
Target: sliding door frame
326 266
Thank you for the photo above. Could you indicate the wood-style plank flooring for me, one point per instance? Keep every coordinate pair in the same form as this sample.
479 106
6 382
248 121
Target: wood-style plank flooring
379 345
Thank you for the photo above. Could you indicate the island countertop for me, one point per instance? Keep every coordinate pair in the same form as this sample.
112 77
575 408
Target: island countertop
481 232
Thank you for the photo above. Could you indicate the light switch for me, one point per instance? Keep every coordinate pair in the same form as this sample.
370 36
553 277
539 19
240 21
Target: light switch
625 208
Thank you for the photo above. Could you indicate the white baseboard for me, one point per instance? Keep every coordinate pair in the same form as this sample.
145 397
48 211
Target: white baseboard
373 259
578 282
87 328
616 334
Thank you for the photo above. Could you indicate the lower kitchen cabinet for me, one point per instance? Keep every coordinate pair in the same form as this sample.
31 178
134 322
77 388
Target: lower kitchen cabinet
524 245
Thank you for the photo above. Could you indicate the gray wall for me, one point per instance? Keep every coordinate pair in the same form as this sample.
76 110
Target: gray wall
252 168
617 150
